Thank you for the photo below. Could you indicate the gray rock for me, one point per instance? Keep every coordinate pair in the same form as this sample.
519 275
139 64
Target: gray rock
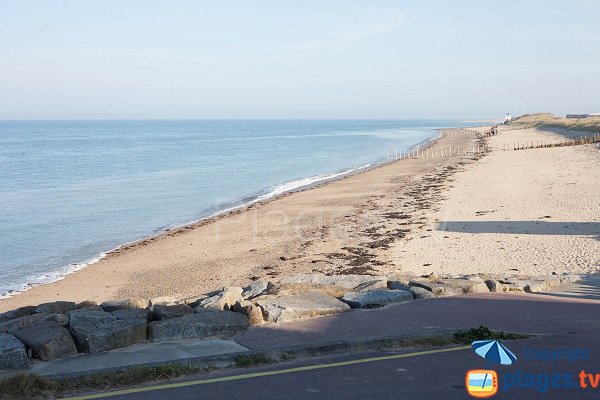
96 331
256 289
473 278
304 305
536 286
163 301
224 299
345 281
56 307
161 312
61 319
494 286
250 310
375 298
398 285
371 285
420 293
18 313
513 286
114 305
292 289
12 352
21 322
450 287
467 286
525 285
87 304
133 313
47 340
436 288
194 301
201 324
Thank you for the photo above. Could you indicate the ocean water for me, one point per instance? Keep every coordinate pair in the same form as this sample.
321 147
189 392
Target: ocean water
72 190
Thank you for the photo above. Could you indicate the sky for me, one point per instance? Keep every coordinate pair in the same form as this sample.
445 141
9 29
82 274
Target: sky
371 59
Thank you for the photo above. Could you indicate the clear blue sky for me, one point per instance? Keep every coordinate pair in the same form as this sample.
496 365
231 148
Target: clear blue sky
297 59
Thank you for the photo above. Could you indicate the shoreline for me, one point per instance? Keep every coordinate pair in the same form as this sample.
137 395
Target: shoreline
213 222
382 221
261 197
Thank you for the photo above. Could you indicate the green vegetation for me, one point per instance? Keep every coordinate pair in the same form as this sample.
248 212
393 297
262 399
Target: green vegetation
252 360
547 120
484 333
461 337
27 386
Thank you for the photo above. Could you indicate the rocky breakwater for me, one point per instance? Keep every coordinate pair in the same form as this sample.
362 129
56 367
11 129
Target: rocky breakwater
62 328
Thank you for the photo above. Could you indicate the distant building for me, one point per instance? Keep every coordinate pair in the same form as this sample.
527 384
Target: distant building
507 117
578 115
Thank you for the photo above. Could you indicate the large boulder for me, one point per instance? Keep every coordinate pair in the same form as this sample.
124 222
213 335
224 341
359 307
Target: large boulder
61 319
17 313
47 340
449 287
114 305
420 293
436 288
303 305
21 322
250 310
12 352
398 285
494 286
163 301
96 331
224 299
371 285
87 304
376 298
473 285
56 307
202 323
525 285
256 289
161 312
292 289
345 281
133 313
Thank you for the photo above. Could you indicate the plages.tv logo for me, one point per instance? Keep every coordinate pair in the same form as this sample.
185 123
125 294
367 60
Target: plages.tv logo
482 383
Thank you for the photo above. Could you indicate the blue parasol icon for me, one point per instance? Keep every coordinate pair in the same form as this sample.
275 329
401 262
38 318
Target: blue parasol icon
494 351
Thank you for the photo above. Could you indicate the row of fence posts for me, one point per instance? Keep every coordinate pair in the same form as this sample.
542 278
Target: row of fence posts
449 150
540 144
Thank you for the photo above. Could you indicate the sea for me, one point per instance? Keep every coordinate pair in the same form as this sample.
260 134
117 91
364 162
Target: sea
71 191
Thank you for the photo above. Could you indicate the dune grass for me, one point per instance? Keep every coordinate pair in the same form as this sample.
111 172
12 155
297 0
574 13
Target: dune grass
547 120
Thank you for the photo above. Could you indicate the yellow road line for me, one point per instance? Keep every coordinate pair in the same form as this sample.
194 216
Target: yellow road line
261 374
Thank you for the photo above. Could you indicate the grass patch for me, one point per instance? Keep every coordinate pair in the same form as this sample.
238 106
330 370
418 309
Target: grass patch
252 360
27 386
459 337
484 333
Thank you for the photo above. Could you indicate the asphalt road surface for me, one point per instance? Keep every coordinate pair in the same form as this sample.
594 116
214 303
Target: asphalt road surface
439 375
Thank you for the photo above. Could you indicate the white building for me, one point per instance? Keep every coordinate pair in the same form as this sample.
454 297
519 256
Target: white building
507 117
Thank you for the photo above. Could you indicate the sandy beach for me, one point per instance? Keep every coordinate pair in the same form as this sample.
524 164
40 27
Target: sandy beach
533 211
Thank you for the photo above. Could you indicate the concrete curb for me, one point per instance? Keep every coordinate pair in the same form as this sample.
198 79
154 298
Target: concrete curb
230 359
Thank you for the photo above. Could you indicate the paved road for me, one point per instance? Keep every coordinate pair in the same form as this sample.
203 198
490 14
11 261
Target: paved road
429 376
